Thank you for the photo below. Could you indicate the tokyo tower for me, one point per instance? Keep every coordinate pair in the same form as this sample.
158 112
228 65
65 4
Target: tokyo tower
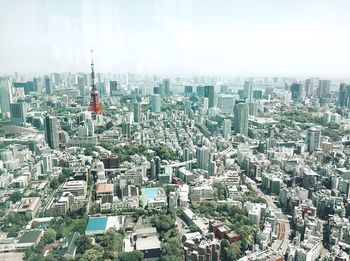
95 105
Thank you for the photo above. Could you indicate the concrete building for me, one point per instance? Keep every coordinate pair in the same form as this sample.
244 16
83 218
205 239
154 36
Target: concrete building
313 139
6 95
241 118
18 113
156 103
51 131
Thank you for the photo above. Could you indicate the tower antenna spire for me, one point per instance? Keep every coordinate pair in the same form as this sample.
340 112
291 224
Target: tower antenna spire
95 105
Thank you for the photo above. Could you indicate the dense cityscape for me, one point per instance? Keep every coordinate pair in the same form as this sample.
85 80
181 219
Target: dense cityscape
130 167
174 130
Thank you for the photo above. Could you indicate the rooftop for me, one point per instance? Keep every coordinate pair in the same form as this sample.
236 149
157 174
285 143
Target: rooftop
104 188
30 236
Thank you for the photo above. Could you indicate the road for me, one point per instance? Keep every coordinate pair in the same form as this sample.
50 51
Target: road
283 228
179 224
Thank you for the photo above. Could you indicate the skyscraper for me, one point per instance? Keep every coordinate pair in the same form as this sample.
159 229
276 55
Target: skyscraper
223 89
248 91
137 112
313 139
156 103
308 87
297 91
48 86
113 88
241 118
166 87
202 155
212 169
226 103
323 88
344 95
209 93
126 129
253 108
5 95
200 90
37 85
51 131
18 113
226 128
188 89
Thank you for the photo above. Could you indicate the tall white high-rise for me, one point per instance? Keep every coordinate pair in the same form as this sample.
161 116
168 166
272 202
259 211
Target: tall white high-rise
202 155
226 128
5 95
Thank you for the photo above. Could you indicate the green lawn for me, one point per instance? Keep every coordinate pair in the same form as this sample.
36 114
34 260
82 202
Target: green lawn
74 225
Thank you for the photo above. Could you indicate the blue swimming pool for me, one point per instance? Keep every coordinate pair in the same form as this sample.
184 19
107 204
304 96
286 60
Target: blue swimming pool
96 225
148 194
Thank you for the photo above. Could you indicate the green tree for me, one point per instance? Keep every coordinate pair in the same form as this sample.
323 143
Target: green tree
54 184
172 250
35 224
130 256
16 196
112 242
34 194
92 254
83 243
49 236
234 251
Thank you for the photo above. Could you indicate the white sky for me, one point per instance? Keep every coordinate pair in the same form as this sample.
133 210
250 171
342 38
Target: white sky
218 37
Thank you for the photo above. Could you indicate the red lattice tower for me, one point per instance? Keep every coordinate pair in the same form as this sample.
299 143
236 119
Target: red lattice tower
95 105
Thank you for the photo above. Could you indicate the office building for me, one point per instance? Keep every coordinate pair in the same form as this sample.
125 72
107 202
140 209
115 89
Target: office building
257 94
308 87
224 89
126 129
313 139
200 90
51 131
226 128
5 95
156 103
18 113
202 155
226 103
48 86
248 91
297 91
166 87
253 108
209 93
212 169
241 118
137 112
37 85
344 95
323 88
113 88
188 89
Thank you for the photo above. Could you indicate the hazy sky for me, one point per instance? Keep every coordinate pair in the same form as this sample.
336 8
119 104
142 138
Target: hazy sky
218 37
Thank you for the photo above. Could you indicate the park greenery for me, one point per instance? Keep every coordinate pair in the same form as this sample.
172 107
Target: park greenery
233 217
171 247
106 247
